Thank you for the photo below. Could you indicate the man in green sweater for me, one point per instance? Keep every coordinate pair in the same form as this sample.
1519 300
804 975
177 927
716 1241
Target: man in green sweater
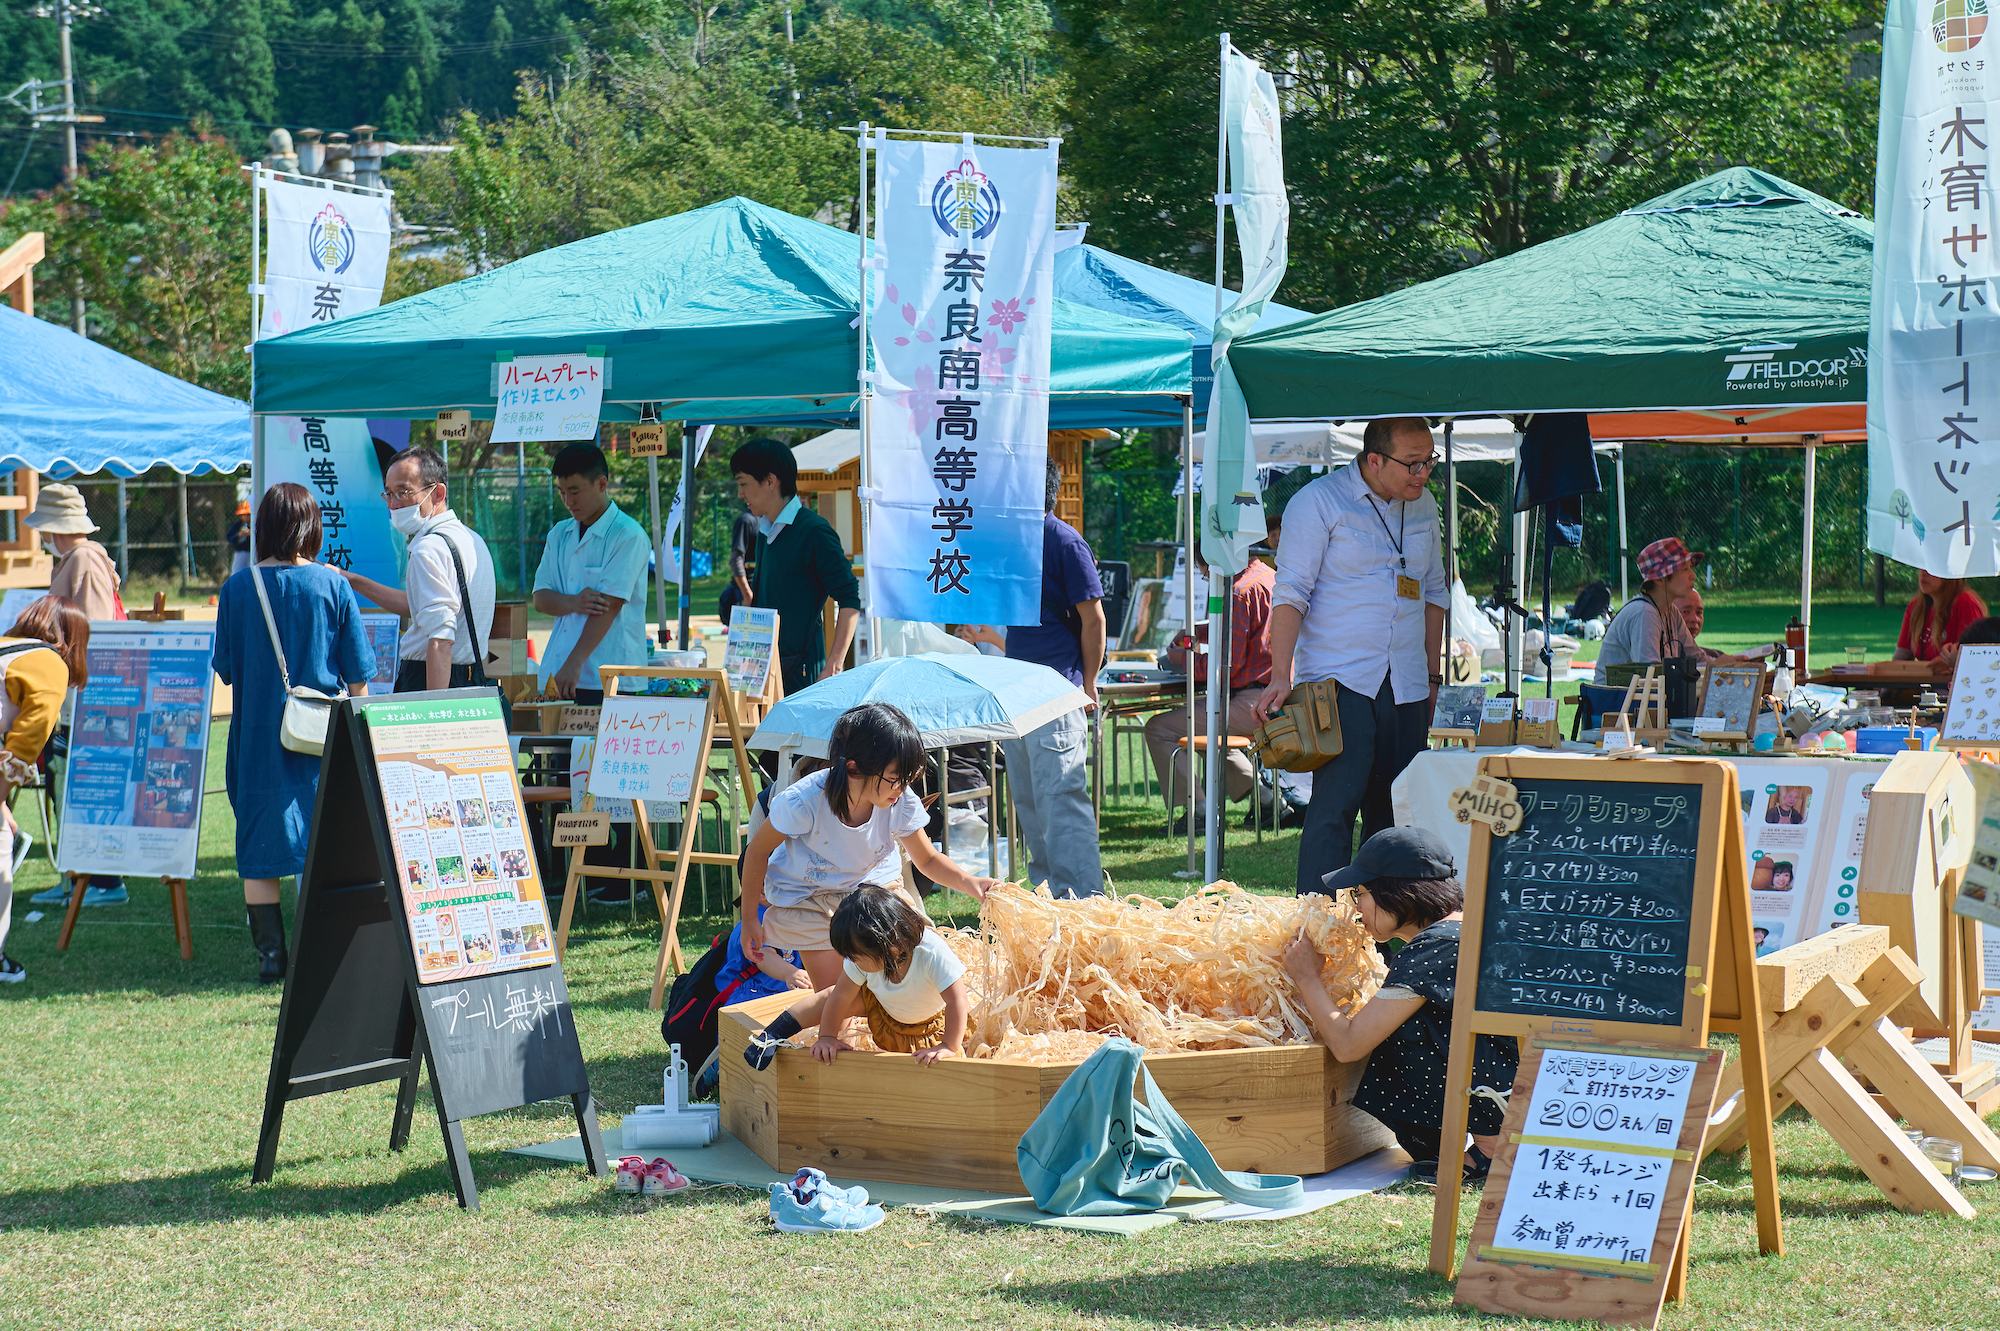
799 565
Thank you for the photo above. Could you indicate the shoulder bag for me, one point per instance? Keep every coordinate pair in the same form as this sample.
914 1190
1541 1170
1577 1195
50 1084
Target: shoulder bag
479 679
1305 734
302 729
1096 1150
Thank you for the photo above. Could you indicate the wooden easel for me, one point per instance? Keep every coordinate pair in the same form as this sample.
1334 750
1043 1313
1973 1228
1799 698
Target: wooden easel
177 901
718 721
1720 992
1646 703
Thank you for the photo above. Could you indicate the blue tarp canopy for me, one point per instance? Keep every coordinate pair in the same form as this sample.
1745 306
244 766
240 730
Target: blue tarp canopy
1101 280
734 313
71 407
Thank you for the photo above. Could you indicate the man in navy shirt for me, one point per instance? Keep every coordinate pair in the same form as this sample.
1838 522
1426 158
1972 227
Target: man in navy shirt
1046 767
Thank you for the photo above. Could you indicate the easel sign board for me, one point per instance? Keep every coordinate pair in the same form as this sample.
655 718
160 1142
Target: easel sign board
385 635
357 1009
1591 1190
471 893
1618 911
1972 721
750 649
649 747
138 756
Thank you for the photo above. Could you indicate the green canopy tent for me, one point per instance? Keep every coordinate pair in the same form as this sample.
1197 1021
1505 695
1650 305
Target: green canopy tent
732 314
1735 306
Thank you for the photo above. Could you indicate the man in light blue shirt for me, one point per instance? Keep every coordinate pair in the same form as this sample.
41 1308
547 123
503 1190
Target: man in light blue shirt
592 578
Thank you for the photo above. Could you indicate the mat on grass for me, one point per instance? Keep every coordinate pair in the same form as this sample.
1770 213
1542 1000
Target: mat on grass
730 1161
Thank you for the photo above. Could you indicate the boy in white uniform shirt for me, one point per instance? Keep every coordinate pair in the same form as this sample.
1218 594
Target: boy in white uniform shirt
592 578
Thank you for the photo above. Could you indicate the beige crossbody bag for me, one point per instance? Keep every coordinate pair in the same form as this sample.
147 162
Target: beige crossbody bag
302 729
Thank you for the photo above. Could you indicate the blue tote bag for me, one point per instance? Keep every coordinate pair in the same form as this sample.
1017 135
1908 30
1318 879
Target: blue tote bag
1096 1150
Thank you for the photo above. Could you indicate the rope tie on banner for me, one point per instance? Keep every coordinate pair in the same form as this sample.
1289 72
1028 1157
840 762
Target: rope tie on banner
1489 1093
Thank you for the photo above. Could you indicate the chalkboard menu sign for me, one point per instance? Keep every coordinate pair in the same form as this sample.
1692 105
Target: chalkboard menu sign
1589 904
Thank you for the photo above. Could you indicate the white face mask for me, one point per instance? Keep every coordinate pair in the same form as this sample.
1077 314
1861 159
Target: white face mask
406 519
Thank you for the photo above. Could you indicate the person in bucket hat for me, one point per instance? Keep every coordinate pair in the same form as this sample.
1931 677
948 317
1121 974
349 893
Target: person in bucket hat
1650 627
1403 885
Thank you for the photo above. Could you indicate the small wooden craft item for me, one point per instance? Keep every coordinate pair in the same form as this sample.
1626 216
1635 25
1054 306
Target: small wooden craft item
648 441
1537 725
1496 721
1729 694
1646 703
1488 800
453 426
1455 719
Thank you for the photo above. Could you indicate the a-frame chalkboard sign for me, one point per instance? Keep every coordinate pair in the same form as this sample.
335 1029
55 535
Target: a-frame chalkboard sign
1619 911
422 933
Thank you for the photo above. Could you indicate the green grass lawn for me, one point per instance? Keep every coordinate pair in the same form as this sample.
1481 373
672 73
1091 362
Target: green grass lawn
135 1084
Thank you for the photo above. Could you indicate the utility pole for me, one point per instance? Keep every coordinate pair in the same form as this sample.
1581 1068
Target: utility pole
66 13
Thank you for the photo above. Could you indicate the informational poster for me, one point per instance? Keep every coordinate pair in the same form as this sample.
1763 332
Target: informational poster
1786 809
16 599
650 748
471 891
138 751
1974 714
1588 1187
1838 903
751 647
1987 1016
961 328
548 397
384 632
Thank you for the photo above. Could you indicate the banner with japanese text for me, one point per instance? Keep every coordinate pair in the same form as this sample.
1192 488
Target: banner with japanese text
958 441
326 253
1934 344
334 459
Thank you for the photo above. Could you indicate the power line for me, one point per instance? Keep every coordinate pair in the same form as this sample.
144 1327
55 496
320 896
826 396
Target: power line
365 53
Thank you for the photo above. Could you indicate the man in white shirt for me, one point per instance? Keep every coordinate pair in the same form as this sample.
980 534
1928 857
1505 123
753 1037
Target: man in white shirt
592 578
440 649
1360 600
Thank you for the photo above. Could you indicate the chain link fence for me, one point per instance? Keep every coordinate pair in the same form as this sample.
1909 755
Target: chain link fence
1744 506
167 532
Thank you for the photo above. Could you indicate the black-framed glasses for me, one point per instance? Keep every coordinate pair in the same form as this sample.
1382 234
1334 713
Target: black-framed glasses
896 782
408 494
1419 468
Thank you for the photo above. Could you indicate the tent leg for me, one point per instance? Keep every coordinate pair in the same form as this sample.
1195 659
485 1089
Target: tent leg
1450 546
660 552
1187 564
1806 553
1624 544
687 525
1517 577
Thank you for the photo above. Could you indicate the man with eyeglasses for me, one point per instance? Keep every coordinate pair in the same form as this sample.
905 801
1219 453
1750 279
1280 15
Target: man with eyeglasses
449 593
1360 600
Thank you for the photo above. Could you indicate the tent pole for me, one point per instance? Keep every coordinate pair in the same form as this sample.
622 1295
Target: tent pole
124 536
256 460
1624 542
659 552
1517 577
1806 554
521 517
867 404
1450 543
187 542
1218 582
687 506
1187 516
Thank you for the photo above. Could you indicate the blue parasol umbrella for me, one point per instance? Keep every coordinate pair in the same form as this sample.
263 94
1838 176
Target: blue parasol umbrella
953 699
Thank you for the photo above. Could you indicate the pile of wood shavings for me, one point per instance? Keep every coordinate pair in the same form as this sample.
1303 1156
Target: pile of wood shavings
1052 979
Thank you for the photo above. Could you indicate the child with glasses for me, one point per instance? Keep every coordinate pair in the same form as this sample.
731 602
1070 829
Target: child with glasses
837 830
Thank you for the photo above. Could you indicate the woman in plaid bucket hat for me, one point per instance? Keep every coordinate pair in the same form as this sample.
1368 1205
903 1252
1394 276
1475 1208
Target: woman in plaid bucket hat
1650 627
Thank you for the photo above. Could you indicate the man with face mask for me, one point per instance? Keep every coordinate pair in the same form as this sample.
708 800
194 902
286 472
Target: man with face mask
449 600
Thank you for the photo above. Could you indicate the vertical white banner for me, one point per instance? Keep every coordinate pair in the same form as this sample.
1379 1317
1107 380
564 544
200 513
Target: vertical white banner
1934 363
961 335
326 255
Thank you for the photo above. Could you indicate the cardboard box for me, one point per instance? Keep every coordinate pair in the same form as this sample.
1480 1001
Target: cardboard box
882 1118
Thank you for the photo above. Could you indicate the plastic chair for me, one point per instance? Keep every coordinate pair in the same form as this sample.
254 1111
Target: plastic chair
1593 701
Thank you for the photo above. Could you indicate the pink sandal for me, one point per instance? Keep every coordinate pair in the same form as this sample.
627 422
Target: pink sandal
631 1175
661 1178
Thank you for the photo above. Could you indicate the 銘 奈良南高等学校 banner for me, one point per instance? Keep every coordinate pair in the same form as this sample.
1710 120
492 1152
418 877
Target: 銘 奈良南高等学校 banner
1934 334
326 253
958 436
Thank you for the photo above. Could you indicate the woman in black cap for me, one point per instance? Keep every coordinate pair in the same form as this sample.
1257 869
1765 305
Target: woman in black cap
1405 887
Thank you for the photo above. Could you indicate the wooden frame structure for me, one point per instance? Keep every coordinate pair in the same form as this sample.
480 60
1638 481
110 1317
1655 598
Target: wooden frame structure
23 562
1721 990
1646 704
1757 677
723 719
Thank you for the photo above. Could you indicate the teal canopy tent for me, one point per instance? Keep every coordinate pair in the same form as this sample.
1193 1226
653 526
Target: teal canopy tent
734 314
1738 293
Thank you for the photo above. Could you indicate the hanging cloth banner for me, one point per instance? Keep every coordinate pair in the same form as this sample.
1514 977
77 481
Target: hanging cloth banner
326 255
668 557
1232 509
958 435
1934 367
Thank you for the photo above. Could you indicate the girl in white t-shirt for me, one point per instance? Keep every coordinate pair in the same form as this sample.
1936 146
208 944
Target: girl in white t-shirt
896 971
838 830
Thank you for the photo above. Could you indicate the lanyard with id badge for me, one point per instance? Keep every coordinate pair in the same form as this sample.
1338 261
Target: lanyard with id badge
1407 587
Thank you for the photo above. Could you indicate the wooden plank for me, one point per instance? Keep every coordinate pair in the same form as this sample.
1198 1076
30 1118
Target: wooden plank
1785 976
1871 1139
1925 1100
1920 824
1790 1038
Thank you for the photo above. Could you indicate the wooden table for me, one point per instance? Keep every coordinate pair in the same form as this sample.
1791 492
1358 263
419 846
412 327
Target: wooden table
1845 680
1116 702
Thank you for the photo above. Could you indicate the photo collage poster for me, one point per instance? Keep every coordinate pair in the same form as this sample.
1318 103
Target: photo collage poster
471 891
138 756
752 647
1785 807
385 633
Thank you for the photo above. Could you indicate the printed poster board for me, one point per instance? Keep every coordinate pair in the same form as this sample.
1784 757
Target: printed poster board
1591 1189
649 747
751 647
385 632
1973 718
471 891
138 755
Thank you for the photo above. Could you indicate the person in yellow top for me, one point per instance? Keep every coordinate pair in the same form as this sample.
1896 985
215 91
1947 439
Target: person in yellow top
40 656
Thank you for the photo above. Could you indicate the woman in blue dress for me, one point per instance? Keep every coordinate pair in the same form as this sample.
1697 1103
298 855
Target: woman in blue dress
319 622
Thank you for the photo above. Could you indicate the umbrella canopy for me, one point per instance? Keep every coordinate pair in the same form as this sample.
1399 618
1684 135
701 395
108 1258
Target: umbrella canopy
735 313
1087 275
69 406
953 699
1741 293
